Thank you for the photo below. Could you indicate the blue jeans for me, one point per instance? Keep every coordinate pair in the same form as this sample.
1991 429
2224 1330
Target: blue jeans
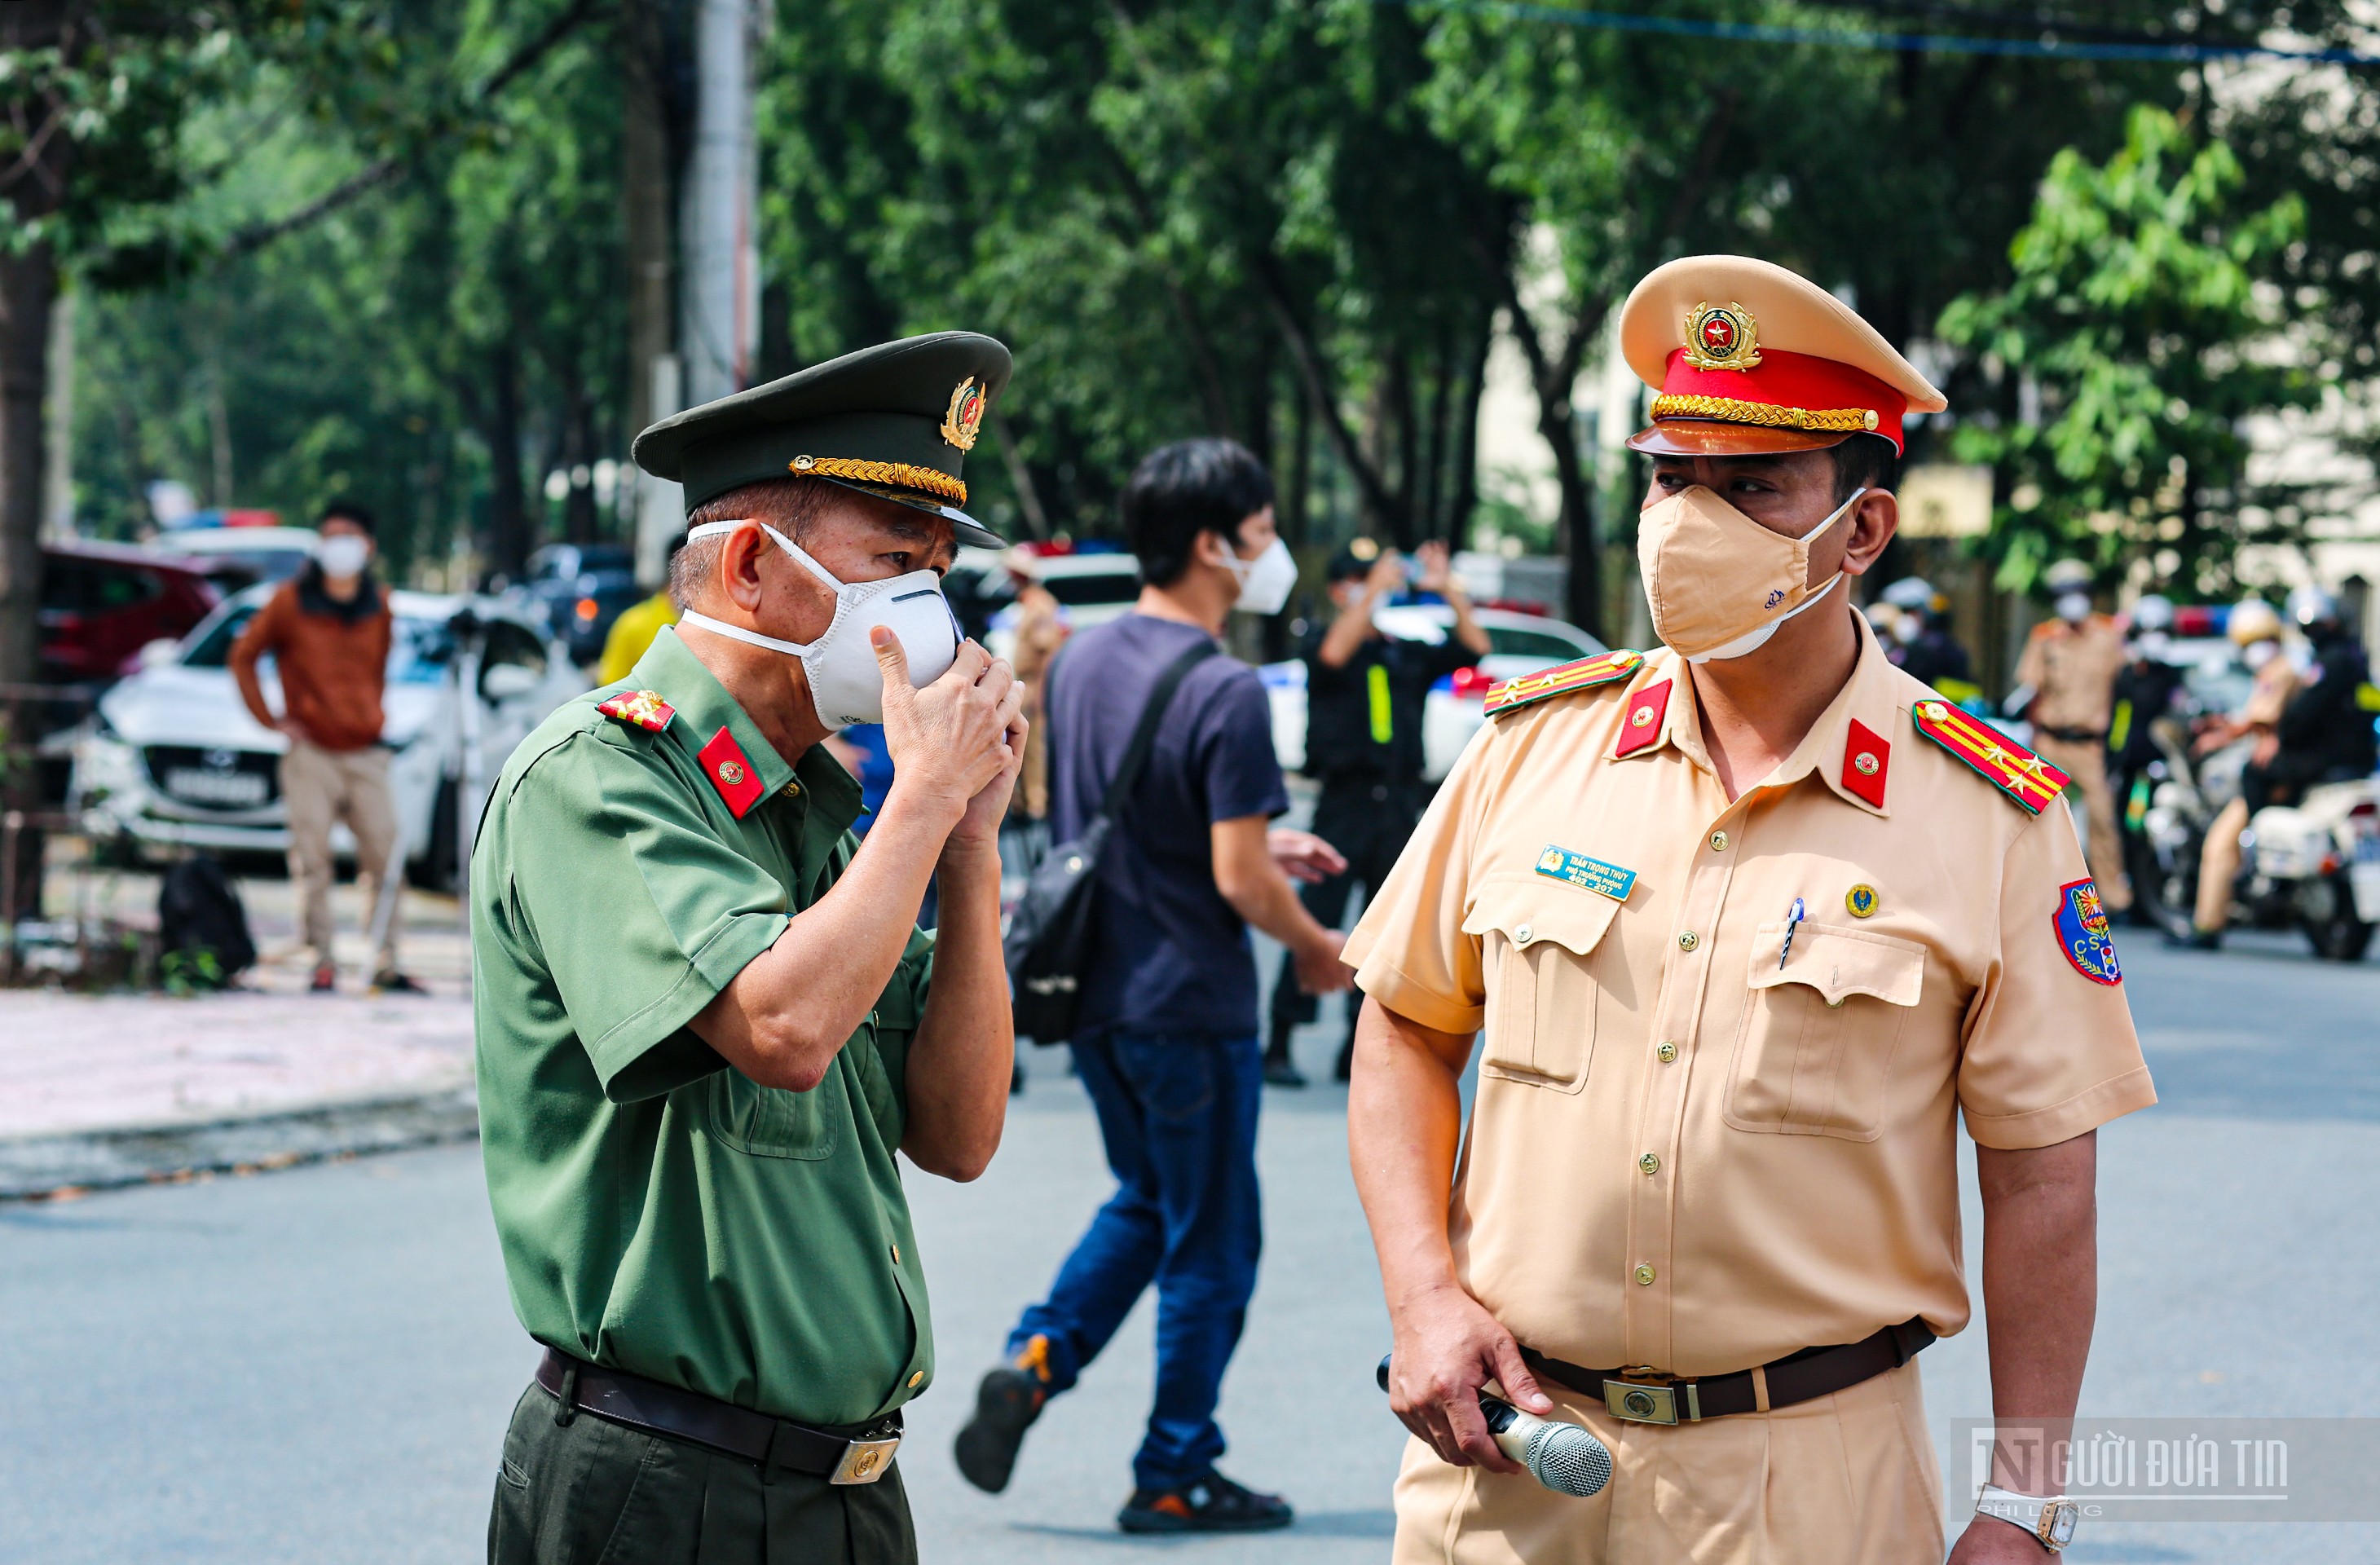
1179 1117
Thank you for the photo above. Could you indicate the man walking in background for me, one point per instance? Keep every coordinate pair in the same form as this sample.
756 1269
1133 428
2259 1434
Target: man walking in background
1166 1044
327 630
2071 662
1365 690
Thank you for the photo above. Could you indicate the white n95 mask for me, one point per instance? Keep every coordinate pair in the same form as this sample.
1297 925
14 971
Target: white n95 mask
1718 582
342 555
846 682
1265 581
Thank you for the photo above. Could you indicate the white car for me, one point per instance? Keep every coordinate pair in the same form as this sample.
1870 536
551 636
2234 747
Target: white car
1091 589
1518 644
172 755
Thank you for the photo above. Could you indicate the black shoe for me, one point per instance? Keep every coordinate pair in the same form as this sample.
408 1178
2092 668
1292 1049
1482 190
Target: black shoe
1282 1073
1345 1068
1007 1404
2197 939
1210 1504
394 982
1015 1078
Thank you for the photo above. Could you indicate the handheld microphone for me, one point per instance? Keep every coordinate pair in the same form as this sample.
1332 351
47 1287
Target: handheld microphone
1564 1457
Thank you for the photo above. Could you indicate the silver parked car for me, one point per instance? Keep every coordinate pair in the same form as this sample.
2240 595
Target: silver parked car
172 757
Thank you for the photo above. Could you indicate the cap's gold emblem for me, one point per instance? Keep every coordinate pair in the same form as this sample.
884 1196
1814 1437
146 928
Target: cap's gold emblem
1722 337
966 416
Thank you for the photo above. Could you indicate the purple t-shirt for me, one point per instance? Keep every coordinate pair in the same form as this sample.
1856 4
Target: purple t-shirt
1169 955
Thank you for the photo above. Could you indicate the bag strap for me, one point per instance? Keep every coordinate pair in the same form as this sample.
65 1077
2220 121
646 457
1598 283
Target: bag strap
1144 737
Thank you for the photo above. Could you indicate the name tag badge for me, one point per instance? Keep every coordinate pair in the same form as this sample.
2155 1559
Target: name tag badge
1587 874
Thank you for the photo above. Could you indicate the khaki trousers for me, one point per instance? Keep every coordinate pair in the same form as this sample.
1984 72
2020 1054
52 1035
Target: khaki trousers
1847 1479
2087 764
2218 866
319 789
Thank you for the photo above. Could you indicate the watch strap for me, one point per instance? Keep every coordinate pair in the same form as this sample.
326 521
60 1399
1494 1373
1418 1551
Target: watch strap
2049 1518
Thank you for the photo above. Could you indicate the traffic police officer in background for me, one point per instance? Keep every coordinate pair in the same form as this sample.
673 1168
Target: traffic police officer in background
2070 663
2145 694
1748 922
705 1019
1923 647
1365 691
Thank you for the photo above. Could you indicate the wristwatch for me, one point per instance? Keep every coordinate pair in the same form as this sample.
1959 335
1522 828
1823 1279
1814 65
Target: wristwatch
2050 1519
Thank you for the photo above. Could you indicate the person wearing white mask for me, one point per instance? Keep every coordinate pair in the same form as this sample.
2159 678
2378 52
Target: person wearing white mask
706 1019
1165 1039
1741 926
2070 663
2255 627
328 631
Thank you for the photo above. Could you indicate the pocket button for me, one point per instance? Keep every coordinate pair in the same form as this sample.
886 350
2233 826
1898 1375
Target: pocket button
1522 934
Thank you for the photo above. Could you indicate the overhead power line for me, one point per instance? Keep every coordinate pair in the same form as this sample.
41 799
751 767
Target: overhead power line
2045 47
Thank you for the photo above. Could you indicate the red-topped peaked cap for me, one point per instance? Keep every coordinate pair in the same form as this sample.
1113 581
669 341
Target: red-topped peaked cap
1748 358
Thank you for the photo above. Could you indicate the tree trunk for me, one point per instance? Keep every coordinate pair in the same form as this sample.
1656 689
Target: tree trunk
508 520
645 202
1558 422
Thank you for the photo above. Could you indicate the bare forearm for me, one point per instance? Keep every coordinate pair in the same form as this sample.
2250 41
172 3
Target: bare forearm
2041 1284
1404 1119
1467 630
1346 637
959 1063
1268 900
791 1010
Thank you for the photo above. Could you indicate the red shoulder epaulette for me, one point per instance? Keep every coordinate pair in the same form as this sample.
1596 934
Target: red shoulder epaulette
643 708
1604 668
2009 766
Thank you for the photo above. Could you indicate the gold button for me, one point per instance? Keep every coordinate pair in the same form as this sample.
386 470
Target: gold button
916 1380
1933 711
1688 941
1644 1275
794 790
1522 934
1719 842
1667 1051
896 1255
1650 1162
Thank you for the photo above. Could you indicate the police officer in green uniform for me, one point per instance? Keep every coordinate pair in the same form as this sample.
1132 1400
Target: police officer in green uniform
705 1020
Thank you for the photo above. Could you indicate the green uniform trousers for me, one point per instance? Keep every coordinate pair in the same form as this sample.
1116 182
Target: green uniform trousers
592 1492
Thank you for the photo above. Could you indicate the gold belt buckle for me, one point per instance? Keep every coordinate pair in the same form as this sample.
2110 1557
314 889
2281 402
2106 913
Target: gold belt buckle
1637 1402
864 1461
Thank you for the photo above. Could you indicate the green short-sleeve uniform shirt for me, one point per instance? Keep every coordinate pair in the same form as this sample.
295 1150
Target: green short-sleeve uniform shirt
659 1211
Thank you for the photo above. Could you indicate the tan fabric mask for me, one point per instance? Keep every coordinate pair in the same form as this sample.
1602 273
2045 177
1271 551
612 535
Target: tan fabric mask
1718 582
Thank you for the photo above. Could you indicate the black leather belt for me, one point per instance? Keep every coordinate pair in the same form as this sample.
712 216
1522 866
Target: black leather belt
1643 1395
2075 735
841 1453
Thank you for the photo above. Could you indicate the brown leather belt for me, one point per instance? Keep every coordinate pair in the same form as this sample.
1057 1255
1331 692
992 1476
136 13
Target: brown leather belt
1646 1396
841 1453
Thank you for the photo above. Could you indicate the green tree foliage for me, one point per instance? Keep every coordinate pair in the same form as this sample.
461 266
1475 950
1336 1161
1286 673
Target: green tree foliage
2151 314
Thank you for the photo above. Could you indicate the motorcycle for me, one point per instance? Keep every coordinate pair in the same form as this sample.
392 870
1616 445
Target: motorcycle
2314 865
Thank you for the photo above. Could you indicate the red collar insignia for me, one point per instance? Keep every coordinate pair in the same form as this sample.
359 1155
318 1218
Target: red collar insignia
1641 727
732 772
1867 759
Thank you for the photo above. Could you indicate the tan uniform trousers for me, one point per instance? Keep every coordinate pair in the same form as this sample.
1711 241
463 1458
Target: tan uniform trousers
2218 866
320 788
2087 764
1847 1479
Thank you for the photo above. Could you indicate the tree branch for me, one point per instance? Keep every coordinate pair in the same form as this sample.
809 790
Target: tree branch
380 173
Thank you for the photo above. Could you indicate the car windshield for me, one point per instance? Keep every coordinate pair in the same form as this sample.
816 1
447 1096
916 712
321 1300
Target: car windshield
418 652
1094 587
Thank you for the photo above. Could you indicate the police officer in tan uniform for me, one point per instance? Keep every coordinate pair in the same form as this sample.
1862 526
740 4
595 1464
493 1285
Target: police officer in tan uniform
1746 924
2070 662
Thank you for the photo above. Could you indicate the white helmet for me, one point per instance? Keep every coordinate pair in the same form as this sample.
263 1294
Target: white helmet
2066 575
2253 620
2154 612
1910 592
2311 606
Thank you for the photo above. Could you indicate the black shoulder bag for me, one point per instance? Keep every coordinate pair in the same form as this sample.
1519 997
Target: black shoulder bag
1048 937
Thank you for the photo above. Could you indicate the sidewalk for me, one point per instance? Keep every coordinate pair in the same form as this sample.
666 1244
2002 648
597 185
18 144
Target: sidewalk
113 1089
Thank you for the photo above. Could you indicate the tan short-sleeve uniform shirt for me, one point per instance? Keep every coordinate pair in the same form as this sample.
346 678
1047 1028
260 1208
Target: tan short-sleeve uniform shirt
1695 1147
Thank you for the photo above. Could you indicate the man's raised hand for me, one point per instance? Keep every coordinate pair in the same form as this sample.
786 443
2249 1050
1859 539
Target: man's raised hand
959 738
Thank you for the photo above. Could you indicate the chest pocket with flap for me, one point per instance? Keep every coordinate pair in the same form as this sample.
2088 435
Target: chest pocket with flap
1818 1036
771 1121
1539 937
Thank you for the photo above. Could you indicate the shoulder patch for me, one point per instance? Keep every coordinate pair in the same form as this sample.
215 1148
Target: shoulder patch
1604 668
643 708
2009 766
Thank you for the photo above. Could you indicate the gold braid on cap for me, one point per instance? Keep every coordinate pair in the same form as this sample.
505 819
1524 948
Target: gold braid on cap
896 475
1734 410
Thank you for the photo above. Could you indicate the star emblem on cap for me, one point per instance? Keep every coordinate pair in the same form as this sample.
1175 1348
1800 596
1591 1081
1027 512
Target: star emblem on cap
1722 337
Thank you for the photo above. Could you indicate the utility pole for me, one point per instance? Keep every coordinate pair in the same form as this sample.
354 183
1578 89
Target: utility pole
720 288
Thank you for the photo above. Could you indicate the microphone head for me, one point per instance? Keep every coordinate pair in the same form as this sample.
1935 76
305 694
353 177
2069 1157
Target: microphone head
1568 1460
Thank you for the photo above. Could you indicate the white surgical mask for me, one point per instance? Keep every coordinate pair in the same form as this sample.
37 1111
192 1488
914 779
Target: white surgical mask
2256 654
1718 582
2151 645
1265 581
2073 607
343 555
846 682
